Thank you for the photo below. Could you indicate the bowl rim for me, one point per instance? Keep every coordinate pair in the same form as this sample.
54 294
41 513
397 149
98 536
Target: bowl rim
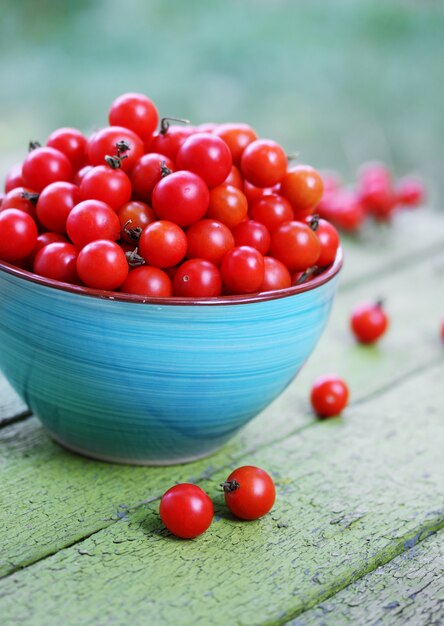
320 279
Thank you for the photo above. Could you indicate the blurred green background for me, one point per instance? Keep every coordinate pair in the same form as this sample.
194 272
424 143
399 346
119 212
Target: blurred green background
339 81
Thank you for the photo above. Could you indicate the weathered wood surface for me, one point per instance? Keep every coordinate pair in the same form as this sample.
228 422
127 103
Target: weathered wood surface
408 591
353 493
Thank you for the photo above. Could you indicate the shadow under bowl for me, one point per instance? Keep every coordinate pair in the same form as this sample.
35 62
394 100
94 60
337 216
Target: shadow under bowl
150 381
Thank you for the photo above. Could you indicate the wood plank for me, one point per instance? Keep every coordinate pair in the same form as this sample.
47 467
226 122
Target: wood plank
408 591
353 494
41 482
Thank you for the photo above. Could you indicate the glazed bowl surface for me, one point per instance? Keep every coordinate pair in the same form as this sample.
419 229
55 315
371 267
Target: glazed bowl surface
153 381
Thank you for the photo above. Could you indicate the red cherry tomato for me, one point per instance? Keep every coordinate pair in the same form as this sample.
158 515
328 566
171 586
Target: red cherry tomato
263 163
181 197
44 166
107 185
227 205
206 155
276 275
90 220
237 137
72 143
410 191
58 261
23 199
295 245
136 112
369 322
43 240
242 270
18 235
375 190
302 186
253 193
102 264
169 142
272 210
163 244
105 142
249 492
329 396
254 234
343 209
197 278
328 238
147 173
234 179
134 216
186 510
14 178
148 281
210 240
55 204
80 175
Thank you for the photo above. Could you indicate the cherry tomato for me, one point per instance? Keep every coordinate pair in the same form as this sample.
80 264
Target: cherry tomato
43 240
272 210
375 190
90 220
102 264
302 186
410 191
147 173
106 184
18 235
14 178
329 396
72 143
242 270
237 137
163 244
136 112
105 142
369 321
249 492
254 234
139 215
276 275
80 175
331 181
295 245
23 199
197 278
328 238
55 204
169 142
148 281
343 209
228 205
263 163
181 197
210 240
186 510
58 261
44 166
234 178
206 155
253 193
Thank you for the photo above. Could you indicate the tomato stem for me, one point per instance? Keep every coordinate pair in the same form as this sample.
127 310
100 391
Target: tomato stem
122 146
165 123
306 275
293 156
134 259
32 197
33 145
133 233
380 302
115 162
314 222
230 485
164 169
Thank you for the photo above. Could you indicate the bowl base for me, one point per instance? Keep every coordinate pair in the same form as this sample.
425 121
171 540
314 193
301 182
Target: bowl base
122 461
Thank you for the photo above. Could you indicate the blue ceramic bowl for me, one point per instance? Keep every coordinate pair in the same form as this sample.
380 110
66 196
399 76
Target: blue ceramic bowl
153 381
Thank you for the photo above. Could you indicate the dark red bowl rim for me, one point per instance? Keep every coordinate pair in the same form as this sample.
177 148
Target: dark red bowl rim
322 278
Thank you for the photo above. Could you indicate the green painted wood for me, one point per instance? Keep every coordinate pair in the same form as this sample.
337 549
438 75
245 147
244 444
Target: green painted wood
11 406
408 591
352 494
46 487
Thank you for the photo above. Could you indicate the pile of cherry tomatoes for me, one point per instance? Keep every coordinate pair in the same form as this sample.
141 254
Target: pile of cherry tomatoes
375 195
171 211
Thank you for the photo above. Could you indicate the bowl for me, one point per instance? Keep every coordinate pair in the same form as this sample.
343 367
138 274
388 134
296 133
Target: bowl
138 380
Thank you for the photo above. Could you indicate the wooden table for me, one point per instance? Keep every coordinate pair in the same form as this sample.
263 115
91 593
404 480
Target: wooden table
354 537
